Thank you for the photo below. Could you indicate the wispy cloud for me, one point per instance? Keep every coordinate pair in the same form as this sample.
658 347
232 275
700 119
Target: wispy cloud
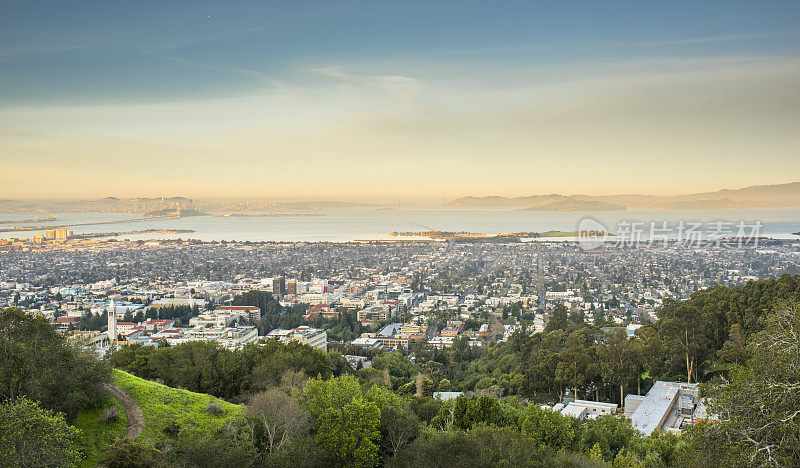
404 88
571 127
262 78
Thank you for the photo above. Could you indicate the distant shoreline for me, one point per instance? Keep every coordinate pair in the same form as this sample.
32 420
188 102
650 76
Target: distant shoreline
266 215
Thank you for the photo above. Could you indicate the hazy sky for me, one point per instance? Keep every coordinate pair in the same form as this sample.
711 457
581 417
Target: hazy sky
391 98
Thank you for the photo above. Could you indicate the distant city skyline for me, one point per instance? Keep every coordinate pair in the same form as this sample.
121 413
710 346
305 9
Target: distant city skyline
409 100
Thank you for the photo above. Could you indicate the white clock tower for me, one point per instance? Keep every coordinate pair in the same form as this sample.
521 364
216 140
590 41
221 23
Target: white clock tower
112 323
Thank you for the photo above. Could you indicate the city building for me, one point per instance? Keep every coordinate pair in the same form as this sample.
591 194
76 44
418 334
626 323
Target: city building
315 298
585 409
216 319
252 313
305 335
367 343
352 303
57 234
372 315
630 329
179 302
229 337
279 285
668 406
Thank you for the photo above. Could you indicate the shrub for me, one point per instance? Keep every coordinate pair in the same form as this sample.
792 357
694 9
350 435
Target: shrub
215 410
126 453
110 415
172 429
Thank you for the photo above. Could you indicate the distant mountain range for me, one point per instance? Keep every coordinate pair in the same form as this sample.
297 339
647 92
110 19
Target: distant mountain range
756 196
568 203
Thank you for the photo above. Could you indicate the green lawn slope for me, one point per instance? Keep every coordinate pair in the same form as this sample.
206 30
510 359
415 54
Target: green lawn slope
162 406
96 435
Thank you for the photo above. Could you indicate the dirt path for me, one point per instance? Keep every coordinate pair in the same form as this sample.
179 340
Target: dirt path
134 414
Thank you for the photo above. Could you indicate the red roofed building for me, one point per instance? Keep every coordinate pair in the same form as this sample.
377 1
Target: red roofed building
68 320
125 326
155 325
320 310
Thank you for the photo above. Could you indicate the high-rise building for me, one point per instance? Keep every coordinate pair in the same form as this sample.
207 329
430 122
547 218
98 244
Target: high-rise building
279 285
291 286
58 234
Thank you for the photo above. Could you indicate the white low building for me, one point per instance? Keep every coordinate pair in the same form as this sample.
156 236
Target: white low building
231 338
305 335
585 409
668 406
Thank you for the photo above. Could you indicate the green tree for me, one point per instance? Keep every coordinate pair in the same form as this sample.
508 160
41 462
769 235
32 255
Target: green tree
575 359
759 406
482 446
616 358
609 433
626 459
548 427
485 409
596 455
735 349
447 448
347 424
349 433
31 436
38 363
230 446
684 324
559 319
401 370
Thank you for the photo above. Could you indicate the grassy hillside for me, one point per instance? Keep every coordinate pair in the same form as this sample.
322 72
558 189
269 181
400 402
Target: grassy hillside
162 407
96 435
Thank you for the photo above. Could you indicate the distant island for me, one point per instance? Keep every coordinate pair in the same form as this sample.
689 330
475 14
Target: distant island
267 215
757 196
90 235
30 220
173 213
571 204
504 237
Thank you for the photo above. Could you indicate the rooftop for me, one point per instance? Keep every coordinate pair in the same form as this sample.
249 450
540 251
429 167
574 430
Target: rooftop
652 412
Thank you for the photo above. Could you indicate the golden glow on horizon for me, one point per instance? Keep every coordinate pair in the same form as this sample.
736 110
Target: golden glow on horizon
657 127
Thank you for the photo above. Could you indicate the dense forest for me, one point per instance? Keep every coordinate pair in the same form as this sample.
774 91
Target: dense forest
305 407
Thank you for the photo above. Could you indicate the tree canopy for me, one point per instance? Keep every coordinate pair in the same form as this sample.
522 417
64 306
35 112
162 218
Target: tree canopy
31 436
38 363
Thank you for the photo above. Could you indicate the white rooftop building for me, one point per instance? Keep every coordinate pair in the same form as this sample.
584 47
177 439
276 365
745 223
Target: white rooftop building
585 409
668 406
306 335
